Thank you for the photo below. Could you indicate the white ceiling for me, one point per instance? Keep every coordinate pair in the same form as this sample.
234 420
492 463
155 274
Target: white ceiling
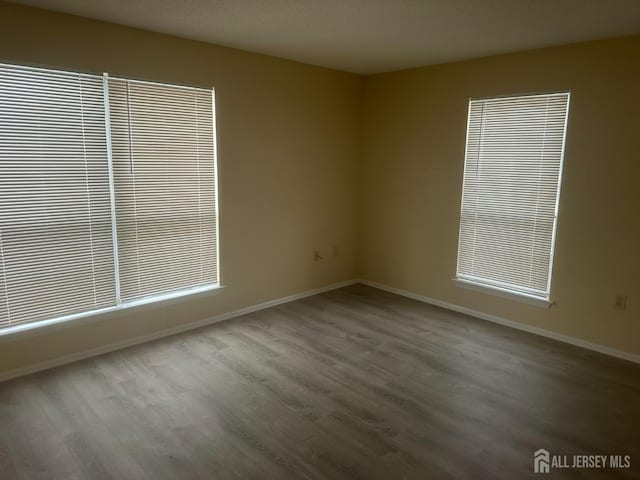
369 36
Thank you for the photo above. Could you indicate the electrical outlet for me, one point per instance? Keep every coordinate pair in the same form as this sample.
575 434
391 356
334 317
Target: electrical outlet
620 302
316 256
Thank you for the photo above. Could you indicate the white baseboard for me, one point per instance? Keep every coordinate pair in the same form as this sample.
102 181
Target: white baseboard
508 323
74 357
18 372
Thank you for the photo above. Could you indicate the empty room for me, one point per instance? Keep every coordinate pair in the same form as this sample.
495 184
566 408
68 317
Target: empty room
319 239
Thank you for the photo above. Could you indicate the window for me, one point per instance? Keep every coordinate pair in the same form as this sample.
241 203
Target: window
165 192
511 186
107 193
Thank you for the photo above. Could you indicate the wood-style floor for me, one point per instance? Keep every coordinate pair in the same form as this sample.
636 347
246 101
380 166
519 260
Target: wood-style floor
351 384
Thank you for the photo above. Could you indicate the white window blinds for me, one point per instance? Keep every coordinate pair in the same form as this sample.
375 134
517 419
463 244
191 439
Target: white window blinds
164 171
107 193
511 185
56 252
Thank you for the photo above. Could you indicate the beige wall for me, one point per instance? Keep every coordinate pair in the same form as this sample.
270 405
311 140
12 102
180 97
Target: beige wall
288 146
413 155
311 158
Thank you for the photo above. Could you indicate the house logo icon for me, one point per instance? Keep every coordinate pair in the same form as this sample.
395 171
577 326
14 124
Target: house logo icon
541 461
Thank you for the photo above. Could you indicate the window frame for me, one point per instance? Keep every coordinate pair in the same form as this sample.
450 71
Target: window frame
494 288
139 304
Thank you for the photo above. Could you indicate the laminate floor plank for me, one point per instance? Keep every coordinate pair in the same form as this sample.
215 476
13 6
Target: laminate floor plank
355 383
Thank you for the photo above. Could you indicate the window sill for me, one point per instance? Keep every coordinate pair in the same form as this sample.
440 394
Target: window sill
45 326
500 292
